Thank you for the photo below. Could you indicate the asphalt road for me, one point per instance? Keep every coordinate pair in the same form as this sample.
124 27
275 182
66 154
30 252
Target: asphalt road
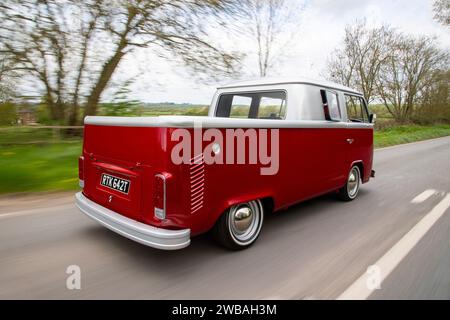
315 250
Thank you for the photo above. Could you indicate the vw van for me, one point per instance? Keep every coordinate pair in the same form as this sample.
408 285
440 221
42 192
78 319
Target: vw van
265 145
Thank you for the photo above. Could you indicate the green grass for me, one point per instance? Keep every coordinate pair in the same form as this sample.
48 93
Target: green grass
33 135
409 133
47 167
53 166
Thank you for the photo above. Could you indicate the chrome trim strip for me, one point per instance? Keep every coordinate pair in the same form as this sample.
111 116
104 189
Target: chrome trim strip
145 234
211 122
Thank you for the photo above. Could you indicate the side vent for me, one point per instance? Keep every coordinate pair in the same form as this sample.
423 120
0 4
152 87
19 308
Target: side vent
197 182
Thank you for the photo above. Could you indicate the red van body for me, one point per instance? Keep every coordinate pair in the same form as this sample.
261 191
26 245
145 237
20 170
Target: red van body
315 157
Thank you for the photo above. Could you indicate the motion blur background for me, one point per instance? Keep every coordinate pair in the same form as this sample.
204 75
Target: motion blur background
61 60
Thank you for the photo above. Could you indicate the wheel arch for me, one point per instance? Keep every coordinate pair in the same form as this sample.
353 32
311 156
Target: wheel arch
360 165
266 198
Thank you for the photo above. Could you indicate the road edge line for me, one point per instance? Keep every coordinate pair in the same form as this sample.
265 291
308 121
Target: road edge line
359 290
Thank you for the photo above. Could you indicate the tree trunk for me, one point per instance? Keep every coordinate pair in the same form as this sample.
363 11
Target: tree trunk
73 118
105 77
51 105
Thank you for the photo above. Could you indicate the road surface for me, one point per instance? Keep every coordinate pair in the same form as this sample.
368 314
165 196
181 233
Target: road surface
398 227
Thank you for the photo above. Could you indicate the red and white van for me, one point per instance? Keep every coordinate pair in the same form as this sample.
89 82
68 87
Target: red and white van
265 145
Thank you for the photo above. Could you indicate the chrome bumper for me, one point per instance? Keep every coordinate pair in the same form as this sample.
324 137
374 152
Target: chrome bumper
148 235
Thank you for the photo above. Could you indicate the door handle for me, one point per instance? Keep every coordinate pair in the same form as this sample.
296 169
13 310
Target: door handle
350 141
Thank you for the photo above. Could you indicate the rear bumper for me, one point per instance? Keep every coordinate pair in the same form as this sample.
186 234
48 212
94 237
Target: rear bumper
145 234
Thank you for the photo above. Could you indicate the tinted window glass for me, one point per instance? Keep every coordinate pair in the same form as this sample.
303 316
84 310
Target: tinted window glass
258 105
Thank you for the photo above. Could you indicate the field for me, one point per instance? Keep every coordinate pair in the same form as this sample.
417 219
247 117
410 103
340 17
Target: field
51 164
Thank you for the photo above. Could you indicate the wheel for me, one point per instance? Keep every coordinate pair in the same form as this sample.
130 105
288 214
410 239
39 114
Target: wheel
239 227
351 188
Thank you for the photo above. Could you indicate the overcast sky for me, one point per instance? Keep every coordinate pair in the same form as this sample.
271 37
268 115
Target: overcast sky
321 31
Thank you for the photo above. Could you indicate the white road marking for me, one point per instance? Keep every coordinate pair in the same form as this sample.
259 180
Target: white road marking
33 211
388 262
423 196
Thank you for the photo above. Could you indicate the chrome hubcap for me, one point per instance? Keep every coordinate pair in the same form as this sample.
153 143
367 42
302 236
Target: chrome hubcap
243 218
245 221
353 182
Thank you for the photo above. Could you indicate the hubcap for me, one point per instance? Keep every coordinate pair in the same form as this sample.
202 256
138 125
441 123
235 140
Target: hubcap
353 182
243 218
245 221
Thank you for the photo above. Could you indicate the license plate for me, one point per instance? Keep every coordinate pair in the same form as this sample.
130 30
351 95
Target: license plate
121 185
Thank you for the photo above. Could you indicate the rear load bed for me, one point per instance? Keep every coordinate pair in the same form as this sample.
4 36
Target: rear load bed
119 163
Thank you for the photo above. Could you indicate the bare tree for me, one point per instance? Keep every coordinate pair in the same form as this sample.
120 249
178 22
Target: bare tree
441 10
434 103
272 25
7 78
32 34
358 62
73 48
407 74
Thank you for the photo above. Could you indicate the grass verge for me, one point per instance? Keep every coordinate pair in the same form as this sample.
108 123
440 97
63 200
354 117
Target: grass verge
409 133
49 167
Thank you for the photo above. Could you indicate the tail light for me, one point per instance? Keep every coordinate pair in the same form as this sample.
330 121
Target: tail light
81 171
159 196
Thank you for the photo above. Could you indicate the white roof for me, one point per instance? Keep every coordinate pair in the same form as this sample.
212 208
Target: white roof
286 80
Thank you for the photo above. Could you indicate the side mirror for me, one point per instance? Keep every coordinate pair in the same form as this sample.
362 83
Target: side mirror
372 118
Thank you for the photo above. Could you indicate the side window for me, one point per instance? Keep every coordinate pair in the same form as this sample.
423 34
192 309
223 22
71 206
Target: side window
271 108
256 105
331 105
240 107
356 109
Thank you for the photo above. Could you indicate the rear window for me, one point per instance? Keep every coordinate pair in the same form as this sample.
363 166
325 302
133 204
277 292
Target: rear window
255 105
